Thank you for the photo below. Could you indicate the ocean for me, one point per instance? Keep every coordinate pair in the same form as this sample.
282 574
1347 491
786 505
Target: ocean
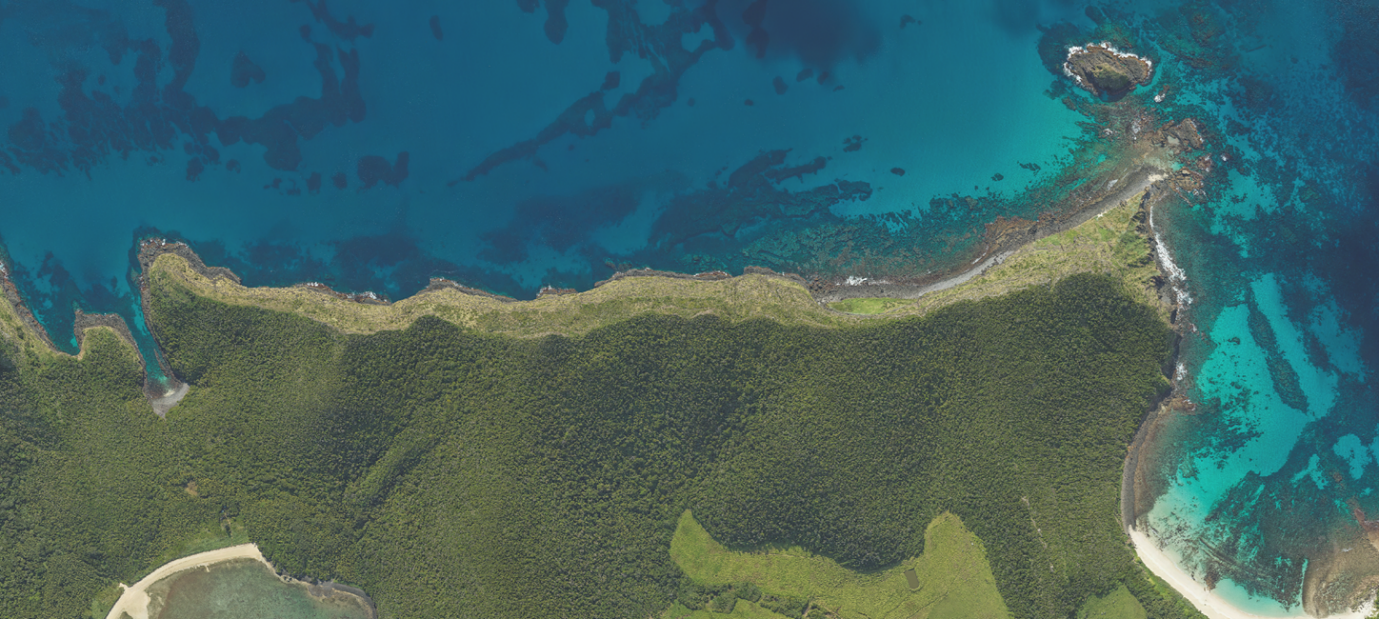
515 145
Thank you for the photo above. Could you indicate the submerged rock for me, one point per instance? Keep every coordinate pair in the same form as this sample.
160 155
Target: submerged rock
243 70
1106 71
1182 136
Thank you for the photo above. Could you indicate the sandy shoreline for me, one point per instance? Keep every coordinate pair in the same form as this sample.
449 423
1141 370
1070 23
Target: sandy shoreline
1207 601
135 598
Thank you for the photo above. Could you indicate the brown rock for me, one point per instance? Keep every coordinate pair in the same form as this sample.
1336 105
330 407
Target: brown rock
1105 71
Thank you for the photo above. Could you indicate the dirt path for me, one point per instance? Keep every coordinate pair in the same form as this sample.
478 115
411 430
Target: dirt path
1137 183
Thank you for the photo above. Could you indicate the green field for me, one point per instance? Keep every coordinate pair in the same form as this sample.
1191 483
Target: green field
868 305
955 578
1118 604
459 456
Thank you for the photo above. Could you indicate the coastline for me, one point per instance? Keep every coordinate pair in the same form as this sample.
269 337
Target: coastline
1135 498
1205 600
1139 181
134 600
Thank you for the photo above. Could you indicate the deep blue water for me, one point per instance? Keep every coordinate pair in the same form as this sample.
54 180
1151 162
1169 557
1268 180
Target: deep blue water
510 145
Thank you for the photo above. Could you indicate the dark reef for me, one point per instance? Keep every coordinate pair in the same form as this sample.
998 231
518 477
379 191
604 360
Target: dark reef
373 169
435 23
243 70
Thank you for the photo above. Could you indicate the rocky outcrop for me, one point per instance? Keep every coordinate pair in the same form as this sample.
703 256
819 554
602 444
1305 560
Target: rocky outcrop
1106 71
1181 137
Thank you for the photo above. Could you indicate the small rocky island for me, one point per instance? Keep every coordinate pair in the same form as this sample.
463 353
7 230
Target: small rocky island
1106 71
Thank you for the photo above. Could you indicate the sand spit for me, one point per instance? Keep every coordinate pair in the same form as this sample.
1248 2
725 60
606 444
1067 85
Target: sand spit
135 598
1207 601
134 601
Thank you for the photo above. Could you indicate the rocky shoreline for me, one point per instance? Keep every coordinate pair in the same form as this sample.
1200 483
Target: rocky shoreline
1104 71
1003 238
22 309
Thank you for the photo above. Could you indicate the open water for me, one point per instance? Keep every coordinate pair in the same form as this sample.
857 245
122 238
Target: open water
516 144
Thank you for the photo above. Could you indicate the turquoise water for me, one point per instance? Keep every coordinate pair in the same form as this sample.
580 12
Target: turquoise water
564 213
243 589
1279 254
512 145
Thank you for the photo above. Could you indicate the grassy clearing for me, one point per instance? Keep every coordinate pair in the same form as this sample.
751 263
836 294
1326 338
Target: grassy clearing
1108 245
867 305
1118 604
739 298
955 577
743 610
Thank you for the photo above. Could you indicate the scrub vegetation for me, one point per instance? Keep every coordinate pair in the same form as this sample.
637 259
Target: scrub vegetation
451 469
1114 244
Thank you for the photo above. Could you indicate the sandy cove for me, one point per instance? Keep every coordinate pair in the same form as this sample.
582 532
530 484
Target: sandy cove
1207 601
135 599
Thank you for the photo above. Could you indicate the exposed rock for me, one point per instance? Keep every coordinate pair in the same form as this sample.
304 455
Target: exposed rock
1106 71
373 169
1342 576
1182 136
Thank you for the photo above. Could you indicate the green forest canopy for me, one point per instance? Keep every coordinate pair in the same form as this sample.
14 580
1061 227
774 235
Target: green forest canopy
468 465
453 473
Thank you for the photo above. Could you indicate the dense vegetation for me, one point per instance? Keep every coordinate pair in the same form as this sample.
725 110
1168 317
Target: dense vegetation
453 473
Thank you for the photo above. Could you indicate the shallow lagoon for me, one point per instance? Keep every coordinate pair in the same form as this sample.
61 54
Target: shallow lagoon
1279 250
246 588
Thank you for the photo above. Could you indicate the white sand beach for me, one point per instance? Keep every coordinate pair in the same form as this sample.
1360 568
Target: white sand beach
1209 602
135 599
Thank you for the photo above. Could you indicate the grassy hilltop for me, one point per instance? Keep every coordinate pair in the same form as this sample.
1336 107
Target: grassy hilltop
654 447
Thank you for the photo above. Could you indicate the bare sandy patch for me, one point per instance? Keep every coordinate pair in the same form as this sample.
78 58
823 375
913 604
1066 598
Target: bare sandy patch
134 601
1207 601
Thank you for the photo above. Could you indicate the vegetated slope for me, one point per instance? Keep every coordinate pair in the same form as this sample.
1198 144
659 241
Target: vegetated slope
89 485
951 580
454 473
